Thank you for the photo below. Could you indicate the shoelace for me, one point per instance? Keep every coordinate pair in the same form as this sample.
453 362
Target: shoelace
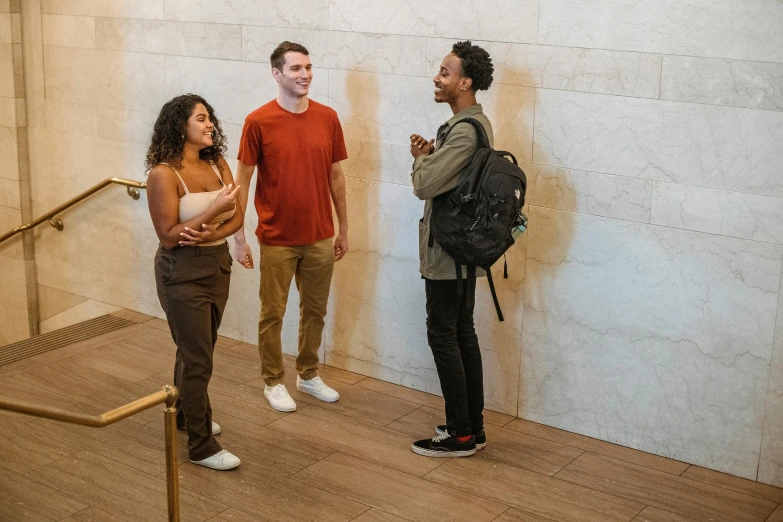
441 438
279 392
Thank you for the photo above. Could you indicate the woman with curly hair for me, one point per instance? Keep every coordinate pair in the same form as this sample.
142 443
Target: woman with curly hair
192 206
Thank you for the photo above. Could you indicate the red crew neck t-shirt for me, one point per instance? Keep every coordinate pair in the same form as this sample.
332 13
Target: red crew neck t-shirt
294 154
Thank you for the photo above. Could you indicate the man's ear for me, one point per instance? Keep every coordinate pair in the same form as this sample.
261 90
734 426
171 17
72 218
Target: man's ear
466 84
276 74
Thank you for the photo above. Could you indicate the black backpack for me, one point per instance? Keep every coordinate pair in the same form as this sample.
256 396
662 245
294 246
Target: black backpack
473 222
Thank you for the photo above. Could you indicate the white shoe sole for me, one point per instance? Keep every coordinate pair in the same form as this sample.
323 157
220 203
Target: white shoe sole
308 392
478 446
279 408
441 454
218 468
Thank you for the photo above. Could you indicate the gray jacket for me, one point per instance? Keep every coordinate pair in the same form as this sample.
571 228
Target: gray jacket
438 173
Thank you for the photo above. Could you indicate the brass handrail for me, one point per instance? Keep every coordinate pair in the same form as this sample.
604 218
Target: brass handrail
133 191
169 395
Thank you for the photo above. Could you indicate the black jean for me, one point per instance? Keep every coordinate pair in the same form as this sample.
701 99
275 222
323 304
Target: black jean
455 347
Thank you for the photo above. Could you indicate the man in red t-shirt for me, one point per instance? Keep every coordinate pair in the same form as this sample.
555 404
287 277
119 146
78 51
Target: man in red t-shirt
297 145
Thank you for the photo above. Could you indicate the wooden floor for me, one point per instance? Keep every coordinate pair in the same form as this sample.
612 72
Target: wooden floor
350 460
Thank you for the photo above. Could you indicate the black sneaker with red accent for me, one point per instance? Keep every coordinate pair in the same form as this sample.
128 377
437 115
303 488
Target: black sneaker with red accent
444 446
481 437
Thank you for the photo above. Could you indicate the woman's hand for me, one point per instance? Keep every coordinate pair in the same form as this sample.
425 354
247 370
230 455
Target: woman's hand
226 199
207 234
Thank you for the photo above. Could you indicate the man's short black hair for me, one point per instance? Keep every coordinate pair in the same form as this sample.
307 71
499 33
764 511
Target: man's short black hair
476 64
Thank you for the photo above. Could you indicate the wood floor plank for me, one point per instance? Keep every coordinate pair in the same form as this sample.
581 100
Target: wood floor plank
85 385
92 515
493 418
515 515
126 442
267 495
269 449
130 315
19 390
678 495
511 447
533 492
404 496
651 514
354 437
777 515
401 392
359 403
122 360
234 515
117 489
24 499
375 515
740 485
26 448
600 447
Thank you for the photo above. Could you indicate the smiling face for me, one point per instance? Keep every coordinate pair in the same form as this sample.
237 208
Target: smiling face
295 77
449 81
199 128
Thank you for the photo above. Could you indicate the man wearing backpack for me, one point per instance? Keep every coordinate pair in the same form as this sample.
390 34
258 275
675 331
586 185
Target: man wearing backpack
450 299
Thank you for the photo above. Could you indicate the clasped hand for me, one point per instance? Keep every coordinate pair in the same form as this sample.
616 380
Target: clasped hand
420 146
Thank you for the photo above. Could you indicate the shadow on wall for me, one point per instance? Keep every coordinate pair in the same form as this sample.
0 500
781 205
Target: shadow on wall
351 335
546 244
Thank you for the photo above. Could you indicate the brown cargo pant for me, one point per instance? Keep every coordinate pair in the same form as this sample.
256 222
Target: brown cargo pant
312 265
193 284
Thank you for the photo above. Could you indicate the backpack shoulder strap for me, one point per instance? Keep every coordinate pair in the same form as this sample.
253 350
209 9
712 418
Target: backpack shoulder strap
482 134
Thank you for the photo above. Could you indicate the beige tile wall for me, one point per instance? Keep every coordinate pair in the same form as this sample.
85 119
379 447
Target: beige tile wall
642 307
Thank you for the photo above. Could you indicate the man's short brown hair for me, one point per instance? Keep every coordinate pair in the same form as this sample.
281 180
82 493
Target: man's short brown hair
278 55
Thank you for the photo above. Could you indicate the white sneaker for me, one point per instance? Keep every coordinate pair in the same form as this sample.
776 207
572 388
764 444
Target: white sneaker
222 460
317 388
279 398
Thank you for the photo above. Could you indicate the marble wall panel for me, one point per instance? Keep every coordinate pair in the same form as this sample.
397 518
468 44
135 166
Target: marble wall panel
311 14
732 214
649 337
13 301
9 194
115 8
503 20
7 66
564 68
376 322
11 218
168 37
378 161
6 32
72 31
5 6
234 89
383 53
389 108
8 111
588 192
115 79
8 151
718 147
723 28
755 85
771 462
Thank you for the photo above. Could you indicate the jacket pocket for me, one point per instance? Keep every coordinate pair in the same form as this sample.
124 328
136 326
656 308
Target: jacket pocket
424 235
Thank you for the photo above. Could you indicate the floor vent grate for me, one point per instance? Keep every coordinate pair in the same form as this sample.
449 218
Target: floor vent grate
62 337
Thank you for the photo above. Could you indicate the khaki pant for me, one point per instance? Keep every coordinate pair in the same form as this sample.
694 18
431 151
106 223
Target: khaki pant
312 265
193 284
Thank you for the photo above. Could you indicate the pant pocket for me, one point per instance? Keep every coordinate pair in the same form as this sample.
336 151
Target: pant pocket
164 265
